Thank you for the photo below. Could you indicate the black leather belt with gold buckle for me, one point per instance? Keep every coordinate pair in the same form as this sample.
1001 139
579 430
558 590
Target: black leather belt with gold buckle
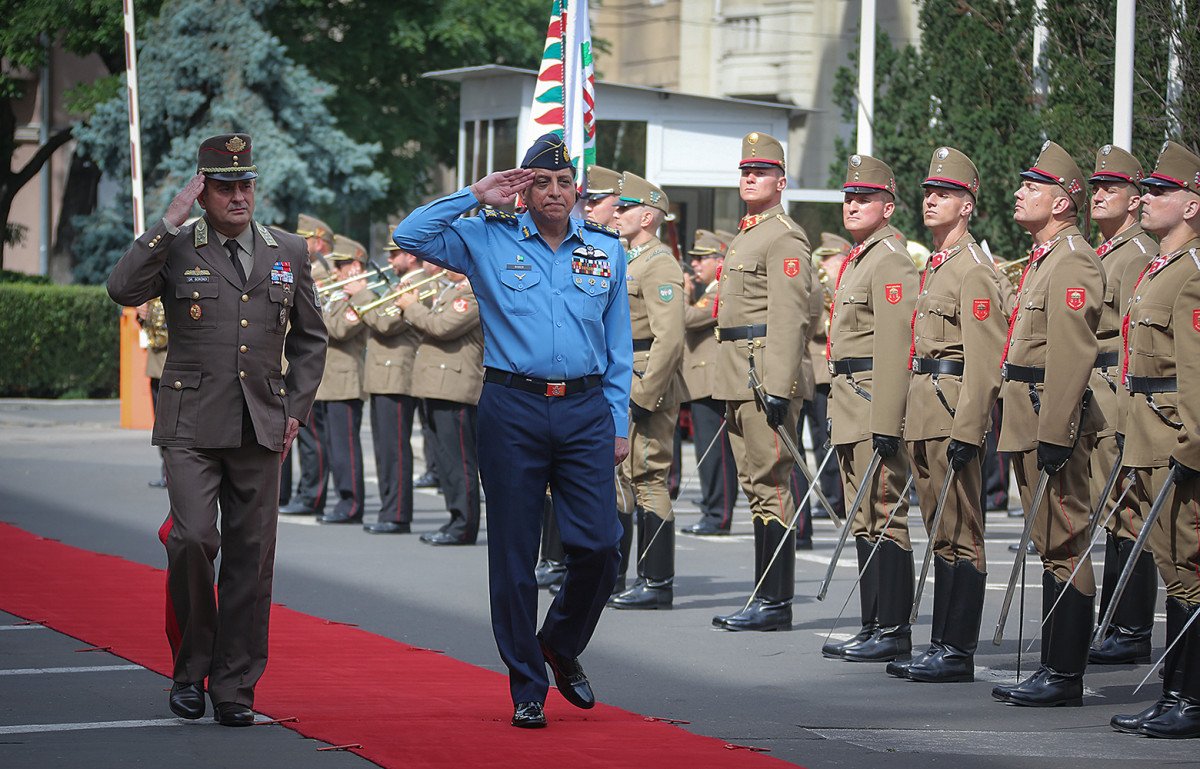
541 386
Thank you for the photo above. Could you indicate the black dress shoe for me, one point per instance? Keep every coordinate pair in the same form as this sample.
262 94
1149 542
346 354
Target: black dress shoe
187 700
529 715
884 645
1030 549
1046 689
704 529
388 527
339 518
1016 513
1130 723
296 507
158 483
762 615
569 677
443 538
1180 722
426 481
233 714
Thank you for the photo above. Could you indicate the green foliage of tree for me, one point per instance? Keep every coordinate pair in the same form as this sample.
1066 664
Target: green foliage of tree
207 67
375 54
82 27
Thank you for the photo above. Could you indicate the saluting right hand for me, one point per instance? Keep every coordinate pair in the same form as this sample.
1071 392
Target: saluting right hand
502 187
181 207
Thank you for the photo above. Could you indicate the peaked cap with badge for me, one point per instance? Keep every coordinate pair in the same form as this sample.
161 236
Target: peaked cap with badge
1177 167
831 244
865 174
760 150
226 158
348 248
311 227
707 244
603 181
951 169
1114 164
726 237
1056 166
548 152
637 191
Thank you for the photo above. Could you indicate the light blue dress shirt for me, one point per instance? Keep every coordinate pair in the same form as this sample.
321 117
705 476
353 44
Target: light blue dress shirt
547 314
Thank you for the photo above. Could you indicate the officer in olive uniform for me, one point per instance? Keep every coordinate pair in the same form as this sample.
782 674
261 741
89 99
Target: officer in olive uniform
958 340
654 282
238 296
762 320
1115 207
1162 377
873 304
1050 420
342 386
314 464
718 472
391 348
448 374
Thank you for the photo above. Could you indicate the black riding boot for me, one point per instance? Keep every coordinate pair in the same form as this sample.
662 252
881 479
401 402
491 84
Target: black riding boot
626 545
772 608
954 661
1177 615
1182 721
1065 639
1128 639
893 636
655 586
759 564
943 587
868 599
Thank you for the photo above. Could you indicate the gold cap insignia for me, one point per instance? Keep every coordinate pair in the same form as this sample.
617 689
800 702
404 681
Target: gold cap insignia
235 144
752 138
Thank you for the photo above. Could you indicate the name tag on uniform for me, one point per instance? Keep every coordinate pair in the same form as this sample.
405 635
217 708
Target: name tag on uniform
517 267
198 278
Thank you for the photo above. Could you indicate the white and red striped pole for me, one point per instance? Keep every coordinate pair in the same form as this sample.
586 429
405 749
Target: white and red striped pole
135 128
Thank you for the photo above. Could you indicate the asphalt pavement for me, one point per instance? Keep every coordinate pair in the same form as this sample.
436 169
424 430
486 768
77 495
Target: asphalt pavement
69 472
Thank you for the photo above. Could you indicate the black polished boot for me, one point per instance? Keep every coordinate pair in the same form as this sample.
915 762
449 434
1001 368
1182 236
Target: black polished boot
772 609
943 588
625 546
1182 720
1128 639
1172 671
955 660
759 563
639 518
868 598
655 588
1067 634
892 638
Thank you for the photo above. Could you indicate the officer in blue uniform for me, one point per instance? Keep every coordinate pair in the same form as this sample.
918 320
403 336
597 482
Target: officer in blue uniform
558 358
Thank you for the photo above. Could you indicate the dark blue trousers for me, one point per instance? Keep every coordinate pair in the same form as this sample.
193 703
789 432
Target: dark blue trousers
526 442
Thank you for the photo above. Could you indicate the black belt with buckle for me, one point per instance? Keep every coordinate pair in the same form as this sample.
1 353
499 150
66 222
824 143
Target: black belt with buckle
1106 359
641 345
731 333
1030 374
934 366
848 366
1148 385
541 386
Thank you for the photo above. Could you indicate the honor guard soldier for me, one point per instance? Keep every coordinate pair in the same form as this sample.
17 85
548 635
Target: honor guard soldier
654 282
1127 249
448 375
314 464
554 406
717 470
603 195
762 326
1162 375
1050 422
869 335
238 297
342 386
958 340
391 347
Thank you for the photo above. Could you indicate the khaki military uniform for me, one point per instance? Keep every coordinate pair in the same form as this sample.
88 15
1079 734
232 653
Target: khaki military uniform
959 323
1058 310
764 290
873 306
448 374
700 346
654 282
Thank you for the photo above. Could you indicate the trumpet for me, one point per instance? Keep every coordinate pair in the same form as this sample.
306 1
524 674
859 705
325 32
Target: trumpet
421 297
379 271
1012 270
391 295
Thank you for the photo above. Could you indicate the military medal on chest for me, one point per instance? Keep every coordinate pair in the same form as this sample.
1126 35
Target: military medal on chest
195 312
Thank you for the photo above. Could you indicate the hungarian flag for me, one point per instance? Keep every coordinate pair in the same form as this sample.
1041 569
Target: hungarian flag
564 97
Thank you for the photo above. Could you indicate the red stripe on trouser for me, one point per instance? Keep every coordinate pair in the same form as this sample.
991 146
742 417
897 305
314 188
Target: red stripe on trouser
174 635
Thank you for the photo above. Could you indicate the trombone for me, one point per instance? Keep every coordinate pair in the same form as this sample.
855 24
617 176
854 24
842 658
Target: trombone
391 295
379 271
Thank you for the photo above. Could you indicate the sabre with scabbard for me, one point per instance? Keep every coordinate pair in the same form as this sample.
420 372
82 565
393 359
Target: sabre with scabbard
1019 564
868 478
1138 545
933 530
1109 484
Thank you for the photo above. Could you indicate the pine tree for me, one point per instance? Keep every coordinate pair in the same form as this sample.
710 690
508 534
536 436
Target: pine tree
208 67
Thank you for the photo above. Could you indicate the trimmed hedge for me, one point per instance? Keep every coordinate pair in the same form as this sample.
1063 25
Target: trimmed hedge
58 342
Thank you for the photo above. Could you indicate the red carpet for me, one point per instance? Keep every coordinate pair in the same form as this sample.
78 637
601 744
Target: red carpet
404 705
